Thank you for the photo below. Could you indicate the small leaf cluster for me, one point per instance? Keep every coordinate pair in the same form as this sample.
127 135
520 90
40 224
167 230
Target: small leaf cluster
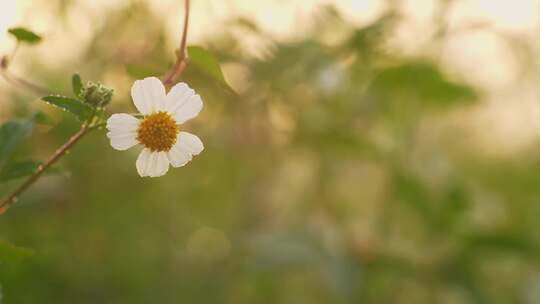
87 105
89 101
96 94
14 132
93 94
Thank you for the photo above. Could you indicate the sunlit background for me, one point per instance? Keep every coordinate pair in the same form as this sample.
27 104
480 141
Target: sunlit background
365 152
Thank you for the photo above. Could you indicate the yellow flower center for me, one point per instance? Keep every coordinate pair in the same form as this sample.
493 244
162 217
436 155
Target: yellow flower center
157 132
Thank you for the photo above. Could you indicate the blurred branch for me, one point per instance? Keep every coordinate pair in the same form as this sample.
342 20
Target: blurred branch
14 53
16 81
22 83
181 54
12 198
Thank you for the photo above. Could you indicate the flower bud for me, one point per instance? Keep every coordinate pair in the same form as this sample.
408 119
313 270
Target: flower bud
96 94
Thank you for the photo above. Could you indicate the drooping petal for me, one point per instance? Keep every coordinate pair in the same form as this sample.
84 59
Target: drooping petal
186 146
122 131
148 95
183 103
152 164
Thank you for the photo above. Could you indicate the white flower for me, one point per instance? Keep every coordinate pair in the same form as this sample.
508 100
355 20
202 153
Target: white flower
159 130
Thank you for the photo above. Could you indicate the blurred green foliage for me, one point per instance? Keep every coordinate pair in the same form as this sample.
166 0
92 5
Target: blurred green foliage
317 184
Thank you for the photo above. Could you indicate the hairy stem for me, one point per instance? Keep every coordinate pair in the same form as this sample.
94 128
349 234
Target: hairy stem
12 198
181 55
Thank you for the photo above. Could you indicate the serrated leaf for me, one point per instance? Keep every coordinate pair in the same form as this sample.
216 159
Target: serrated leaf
74 106
11 135
206 61
76 84
12 253
24 35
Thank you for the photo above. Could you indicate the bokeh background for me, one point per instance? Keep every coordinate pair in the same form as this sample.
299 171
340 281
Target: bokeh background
360 151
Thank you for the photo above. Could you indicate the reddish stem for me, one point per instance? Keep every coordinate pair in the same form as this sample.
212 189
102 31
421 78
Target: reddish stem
181 55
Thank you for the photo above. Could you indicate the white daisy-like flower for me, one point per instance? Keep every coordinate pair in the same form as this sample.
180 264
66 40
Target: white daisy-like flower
159 129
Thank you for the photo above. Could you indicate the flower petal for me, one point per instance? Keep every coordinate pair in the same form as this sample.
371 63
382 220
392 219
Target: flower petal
122 131
183 103
148 95
162 165
186 146
142 162
190 142
178 157
152 164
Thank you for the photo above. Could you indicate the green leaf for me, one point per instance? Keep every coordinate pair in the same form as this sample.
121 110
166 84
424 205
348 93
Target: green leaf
201 58
42 118
23 168
11 135
502 241
18 170
12 253
24 35
420 82
74 106
408 189
76 84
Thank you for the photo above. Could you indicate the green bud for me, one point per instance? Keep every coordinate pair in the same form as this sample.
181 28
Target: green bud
96 94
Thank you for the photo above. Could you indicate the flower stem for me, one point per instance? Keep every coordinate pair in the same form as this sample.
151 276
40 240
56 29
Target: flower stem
12 198
181 55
